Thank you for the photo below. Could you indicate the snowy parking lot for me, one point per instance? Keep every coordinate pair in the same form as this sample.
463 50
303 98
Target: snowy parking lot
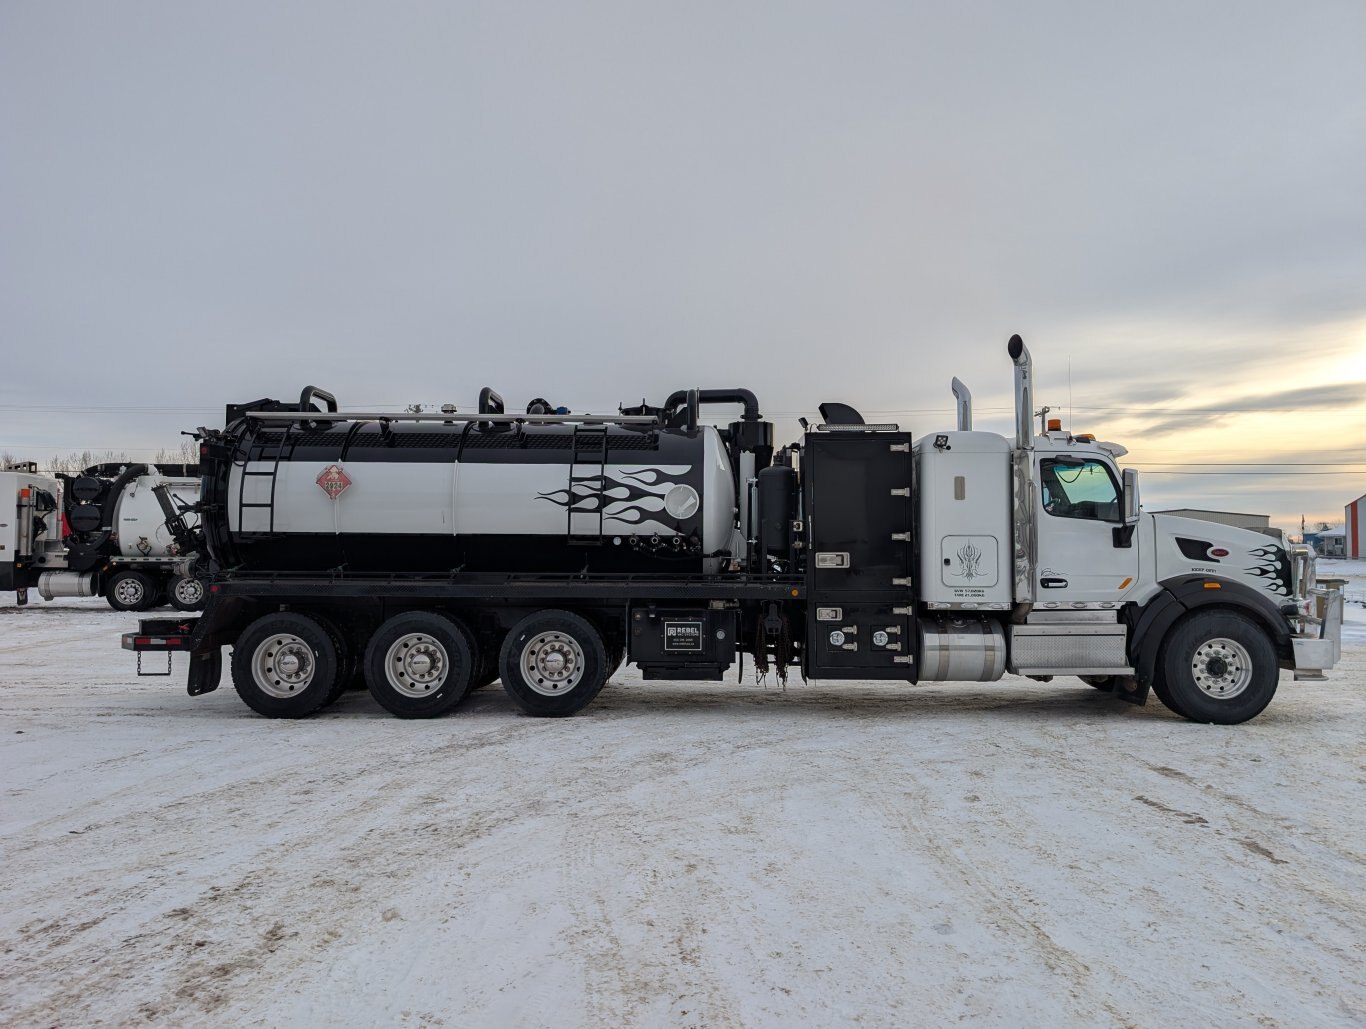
679 854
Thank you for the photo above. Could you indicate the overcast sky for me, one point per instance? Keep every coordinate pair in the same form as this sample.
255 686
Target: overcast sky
203 203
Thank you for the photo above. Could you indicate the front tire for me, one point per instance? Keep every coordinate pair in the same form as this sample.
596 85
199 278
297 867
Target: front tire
420 664
553 664
131 591
1219 667
285 665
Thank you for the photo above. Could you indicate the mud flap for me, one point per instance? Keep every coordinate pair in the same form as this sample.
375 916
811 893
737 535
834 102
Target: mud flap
205 671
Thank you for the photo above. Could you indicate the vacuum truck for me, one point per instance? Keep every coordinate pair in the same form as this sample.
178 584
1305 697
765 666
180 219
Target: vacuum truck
425 555
101 533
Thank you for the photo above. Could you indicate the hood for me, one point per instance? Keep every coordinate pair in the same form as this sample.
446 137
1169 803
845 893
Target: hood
1192 546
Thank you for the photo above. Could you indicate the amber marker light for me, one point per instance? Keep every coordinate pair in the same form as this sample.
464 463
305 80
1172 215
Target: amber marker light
1213 586
1125 584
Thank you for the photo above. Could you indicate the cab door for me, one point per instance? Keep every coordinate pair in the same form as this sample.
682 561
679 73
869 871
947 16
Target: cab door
1082 559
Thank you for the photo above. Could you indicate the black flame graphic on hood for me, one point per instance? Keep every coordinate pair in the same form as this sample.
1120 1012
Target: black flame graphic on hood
1273 568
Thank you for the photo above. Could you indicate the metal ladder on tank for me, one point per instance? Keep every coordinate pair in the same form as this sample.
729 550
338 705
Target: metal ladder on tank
244 505
588 462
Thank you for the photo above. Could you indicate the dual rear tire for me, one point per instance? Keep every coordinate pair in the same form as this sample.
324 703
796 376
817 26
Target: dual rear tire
132 590
287 665
420 664
553 663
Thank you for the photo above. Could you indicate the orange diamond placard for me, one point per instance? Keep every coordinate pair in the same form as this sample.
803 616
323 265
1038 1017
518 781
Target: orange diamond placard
333 481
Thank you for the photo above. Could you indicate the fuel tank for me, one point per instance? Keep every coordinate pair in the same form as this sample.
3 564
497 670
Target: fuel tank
442 498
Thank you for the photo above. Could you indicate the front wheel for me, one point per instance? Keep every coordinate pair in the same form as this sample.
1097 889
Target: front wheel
1219 667
553 663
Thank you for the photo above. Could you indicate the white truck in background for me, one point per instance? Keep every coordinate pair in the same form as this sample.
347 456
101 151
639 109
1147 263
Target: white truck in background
101 533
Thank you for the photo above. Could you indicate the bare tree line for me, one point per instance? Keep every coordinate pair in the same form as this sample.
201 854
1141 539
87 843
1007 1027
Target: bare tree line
79 460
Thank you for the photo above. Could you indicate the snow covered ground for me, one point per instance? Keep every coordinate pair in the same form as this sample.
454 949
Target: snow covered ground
680 854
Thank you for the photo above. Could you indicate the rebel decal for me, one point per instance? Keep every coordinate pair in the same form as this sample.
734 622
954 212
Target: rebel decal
1273 568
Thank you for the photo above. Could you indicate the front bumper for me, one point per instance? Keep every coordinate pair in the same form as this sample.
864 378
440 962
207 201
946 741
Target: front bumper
1319 647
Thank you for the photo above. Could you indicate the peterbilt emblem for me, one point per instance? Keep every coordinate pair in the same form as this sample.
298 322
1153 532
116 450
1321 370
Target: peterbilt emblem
333 481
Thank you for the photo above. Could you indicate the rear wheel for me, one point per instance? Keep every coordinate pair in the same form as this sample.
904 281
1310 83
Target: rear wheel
131 591
420 664
1220 667
553 663
186 593
285 665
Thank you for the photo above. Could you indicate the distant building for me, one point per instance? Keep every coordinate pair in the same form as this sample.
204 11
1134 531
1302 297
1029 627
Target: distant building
1236 519
1355 535
1328 542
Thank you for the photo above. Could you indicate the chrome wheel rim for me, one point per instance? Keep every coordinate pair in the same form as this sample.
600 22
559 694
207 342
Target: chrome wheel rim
416 665
283 665
189 591
1222 668
129 591
552 663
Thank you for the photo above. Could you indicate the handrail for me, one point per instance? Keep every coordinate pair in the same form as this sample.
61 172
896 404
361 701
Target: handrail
435 416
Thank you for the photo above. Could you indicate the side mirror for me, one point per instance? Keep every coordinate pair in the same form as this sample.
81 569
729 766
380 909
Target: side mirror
1124 533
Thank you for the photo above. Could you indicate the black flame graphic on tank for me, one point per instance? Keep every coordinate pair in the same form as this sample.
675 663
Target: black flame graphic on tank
635 497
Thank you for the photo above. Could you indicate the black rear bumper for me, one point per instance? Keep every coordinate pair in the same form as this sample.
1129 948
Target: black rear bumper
161 634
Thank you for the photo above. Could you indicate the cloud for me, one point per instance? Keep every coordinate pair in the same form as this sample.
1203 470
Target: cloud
1310 398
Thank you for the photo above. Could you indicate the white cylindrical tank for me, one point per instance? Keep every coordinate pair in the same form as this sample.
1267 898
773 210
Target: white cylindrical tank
139 521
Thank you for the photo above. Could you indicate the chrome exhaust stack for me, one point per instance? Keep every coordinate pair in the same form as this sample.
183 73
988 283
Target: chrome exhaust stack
963 396
1024 393
1025 541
